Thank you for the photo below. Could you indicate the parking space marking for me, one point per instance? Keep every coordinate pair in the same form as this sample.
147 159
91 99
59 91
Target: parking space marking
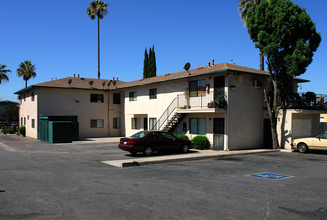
6 147
270 176
177 172
294 161
5 136
265 168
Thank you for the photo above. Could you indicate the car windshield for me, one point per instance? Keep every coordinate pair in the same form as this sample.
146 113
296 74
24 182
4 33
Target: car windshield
140 134
323 136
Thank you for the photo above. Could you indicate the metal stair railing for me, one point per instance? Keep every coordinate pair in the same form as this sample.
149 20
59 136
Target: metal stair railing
165 116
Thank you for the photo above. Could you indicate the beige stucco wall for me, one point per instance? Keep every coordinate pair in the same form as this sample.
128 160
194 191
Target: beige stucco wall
28 111
77 102
52 101
150 108
244 113
285 123
209 125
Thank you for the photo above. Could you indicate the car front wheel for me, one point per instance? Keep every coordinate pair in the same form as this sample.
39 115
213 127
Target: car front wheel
185 148
148 151
302 148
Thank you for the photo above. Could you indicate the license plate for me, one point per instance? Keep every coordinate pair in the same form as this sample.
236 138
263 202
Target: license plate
125 142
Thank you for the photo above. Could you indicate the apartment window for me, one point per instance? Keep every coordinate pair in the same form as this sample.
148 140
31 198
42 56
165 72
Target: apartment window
116 123
198 126
96 98
24 97
21 121
116 98
132 96
24 121
33 123
153 123
136 123
97 123
197 88
32 97
152 93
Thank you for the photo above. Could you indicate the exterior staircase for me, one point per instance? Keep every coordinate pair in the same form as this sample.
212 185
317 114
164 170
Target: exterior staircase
171 124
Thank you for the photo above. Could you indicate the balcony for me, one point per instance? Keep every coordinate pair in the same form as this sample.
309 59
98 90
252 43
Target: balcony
308 100
203 103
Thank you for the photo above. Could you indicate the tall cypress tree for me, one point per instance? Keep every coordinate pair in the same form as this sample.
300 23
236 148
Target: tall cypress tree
154 65
146 64
150 66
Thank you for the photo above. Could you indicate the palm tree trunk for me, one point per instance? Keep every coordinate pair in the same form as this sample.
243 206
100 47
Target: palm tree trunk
98 47
25 83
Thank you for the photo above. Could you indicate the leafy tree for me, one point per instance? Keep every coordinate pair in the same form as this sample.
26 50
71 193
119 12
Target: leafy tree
26 70
97 9
243 8
11 114
287 37
150 66
3 73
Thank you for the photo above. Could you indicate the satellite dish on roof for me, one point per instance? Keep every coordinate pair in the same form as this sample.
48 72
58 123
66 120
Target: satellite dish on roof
114 82
187 66
109 83
103 83
91 83
70 81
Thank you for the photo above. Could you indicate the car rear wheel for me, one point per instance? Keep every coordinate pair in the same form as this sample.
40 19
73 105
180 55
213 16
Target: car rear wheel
185 148
302 148
148 151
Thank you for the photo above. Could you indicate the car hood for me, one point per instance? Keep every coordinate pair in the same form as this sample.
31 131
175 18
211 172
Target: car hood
304 139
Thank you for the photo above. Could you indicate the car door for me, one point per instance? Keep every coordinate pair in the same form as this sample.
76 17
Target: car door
320 142
155 141
169 141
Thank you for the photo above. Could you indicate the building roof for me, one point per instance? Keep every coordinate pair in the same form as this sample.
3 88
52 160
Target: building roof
84 83
77 83
8 102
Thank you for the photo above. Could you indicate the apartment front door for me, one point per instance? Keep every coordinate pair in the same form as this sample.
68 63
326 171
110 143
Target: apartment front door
218 133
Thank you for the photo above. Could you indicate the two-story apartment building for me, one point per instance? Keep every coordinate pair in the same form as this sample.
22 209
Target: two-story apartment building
225 102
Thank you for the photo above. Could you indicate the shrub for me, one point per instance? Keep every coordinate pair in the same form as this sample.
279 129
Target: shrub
182 136
7 131
21 130
201 142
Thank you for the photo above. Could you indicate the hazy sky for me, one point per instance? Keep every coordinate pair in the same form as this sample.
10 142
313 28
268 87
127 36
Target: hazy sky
60 39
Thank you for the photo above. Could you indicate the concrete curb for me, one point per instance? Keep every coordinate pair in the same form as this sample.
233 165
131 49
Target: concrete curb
199 155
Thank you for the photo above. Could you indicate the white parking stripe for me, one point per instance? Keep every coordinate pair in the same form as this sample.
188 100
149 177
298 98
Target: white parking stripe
7 148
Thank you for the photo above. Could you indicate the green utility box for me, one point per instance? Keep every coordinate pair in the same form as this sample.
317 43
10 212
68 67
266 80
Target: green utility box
58 129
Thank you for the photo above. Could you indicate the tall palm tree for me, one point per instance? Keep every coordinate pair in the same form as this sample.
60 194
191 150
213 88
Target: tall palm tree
3 73
243 8
97 9
26 70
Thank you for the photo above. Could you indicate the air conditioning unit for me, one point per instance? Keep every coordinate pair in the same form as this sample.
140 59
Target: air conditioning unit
256 83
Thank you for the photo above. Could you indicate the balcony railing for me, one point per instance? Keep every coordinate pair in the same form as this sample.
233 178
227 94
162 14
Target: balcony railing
306 100
199 102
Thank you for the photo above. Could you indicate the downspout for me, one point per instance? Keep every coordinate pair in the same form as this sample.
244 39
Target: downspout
37 114
108 112
227 115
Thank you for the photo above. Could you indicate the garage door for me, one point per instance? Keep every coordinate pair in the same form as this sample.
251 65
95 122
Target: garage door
301 128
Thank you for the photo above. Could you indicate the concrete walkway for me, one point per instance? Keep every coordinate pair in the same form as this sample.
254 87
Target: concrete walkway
98 140
193 155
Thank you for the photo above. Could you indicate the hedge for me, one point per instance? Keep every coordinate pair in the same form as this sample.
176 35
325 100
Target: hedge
201 142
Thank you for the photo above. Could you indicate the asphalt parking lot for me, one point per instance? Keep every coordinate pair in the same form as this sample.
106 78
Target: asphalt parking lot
45 181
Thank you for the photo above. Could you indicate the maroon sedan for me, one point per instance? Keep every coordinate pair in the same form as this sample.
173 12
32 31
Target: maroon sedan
149 141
